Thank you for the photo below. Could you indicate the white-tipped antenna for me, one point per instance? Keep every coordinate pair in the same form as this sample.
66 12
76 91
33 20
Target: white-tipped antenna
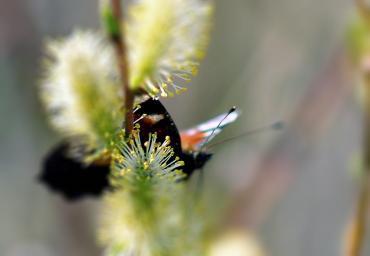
209 137
275 127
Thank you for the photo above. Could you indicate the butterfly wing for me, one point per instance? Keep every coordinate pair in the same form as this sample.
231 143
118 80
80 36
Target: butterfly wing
71 178
75 180
153 117
194 138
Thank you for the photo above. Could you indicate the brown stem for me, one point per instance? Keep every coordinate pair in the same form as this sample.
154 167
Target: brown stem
119 42
359 222
358 227
357 232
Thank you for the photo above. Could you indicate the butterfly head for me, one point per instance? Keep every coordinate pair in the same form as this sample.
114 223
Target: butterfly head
201 158
194 161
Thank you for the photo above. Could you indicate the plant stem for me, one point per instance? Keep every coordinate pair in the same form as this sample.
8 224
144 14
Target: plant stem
119 42
358 229
359 222
357 232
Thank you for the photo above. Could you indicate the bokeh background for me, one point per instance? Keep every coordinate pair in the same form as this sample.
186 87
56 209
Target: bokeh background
275 60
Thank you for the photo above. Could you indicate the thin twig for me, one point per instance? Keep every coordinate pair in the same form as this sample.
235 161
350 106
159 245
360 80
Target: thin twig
119 42
358 226
357 230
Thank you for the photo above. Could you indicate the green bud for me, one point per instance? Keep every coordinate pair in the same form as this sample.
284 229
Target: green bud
110 23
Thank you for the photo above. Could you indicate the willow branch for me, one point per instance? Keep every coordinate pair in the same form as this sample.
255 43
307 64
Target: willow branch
358 226
119 42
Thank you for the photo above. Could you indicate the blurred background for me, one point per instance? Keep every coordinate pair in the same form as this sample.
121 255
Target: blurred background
275 60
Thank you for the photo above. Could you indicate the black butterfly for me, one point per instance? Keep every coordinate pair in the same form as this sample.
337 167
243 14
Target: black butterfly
74 179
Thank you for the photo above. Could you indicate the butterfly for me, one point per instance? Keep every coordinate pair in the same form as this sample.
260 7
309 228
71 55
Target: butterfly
74 179
187 144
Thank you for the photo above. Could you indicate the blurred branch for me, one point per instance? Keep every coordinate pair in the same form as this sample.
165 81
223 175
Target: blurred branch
119 42
357 232
322 101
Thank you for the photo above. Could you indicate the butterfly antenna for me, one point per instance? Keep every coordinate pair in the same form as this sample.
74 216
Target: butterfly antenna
140 118
275 127
204 144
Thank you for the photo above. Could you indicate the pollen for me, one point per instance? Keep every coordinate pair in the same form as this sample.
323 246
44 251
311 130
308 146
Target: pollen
167 39
79 91
154 157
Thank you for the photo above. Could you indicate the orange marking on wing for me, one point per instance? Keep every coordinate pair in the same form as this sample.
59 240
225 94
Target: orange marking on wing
190 141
